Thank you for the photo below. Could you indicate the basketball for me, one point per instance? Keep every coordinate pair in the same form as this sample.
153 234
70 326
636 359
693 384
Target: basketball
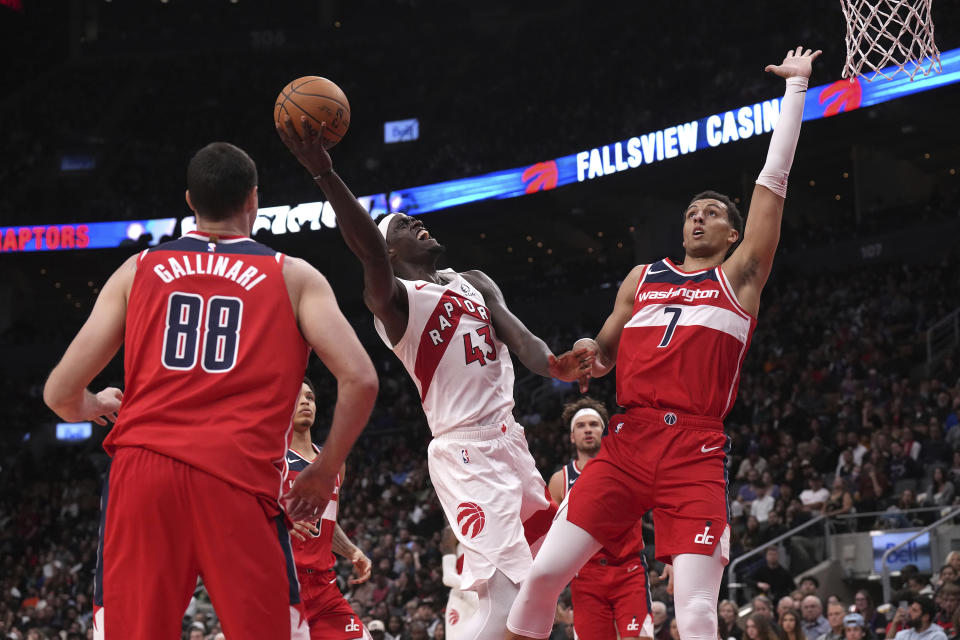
320 100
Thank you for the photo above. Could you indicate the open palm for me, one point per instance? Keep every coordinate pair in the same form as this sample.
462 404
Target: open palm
797 63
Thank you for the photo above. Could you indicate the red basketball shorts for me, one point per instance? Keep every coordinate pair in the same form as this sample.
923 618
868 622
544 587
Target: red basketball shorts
163 523
611 601
672 464
328 613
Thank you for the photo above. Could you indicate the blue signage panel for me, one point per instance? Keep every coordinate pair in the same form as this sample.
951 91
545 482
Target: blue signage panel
678 139
917 552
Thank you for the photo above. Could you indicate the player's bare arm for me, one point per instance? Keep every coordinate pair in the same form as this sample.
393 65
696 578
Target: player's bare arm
531 350
604 346
749 266
382 293
333 340
342 545
555 486
97 342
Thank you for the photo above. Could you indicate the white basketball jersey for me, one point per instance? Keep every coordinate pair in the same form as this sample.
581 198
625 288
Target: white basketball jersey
463 372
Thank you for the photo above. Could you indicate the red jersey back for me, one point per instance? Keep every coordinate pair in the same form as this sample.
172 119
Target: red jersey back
214 360
684 346
317 552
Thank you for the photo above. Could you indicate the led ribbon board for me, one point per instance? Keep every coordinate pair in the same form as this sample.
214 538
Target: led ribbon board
682 138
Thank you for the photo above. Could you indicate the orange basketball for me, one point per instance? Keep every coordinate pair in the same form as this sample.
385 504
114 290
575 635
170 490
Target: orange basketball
320 100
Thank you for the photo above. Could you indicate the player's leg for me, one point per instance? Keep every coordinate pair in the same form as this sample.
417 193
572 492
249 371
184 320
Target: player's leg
146 570
245 558
630 594
537 509
691 522
566 548
696 588
494 596
593 614
329 615
461 606
481 493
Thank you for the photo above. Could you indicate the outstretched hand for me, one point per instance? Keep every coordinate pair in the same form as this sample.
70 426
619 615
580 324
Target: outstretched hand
797 63
574 365
310 148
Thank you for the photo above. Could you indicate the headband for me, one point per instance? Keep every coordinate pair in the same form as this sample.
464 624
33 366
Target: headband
586 411
385 223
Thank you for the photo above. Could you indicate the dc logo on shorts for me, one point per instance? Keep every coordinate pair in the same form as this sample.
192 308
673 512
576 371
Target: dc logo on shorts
470 517
633 626
705 537
465 456
352 627
454 616
670 418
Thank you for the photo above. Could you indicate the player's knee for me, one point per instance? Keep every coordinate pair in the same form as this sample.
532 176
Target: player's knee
547 580
697 619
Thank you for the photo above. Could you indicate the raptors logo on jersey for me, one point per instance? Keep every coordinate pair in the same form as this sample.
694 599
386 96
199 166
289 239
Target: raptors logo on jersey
685 343
470 518
316 552
450 349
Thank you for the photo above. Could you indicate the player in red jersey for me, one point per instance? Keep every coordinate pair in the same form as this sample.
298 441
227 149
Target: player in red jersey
678 335
454 334
610 594
195 481
329 615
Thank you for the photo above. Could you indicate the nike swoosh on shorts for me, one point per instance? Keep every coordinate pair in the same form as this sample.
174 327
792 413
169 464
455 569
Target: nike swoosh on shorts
704 449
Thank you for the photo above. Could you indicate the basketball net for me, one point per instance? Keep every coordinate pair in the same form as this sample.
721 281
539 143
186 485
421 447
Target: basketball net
889 33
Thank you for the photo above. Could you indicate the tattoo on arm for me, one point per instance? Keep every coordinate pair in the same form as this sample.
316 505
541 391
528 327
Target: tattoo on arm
341 544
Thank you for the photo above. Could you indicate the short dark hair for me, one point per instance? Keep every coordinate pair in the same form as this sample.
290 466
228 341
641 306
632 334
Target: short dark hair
219 178
812 579
307 382
733 214
926 605
570 409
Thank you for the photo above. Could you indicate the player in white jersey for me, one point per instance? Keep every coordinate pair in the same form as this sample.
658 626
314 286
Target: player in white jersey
452 331
461 605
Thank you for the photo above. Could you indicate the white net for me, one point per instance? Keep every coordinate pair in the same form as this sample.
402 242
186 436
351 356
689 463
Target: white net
889 33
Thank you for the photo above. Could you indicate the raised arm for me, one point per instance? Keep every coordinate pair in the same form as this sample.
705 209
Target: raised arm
326 330
749 266
91 350
383 294
531 350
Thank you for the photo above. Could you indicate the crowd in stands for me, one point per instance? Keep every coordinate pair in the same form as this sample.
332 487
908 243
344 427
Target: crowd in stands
835 415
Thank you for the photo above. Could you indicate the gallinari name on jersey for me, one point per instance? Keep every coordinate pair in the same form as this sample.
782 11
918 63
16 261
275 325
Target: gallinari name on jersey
225 266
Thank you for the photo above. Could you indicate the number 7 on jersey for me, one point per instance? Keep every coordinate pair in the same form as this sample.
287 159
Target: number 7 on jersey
671 326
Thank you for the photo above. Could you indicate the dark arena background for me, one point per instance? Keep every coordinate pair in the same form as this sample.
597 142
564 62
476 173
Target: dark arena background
576 133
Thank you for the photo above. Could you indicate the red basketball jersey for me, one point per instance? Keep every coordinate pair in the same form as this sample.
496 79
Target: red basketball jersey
683 348
214 360
315 552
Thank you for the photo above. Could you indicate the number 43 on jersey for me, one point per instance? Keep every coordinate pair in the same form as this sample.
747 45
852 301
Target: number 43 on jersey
477 354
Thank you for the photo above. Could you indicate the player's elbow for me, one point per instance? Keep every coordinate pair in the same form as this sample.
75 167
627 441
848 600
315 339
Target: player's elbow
363 381
58 401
